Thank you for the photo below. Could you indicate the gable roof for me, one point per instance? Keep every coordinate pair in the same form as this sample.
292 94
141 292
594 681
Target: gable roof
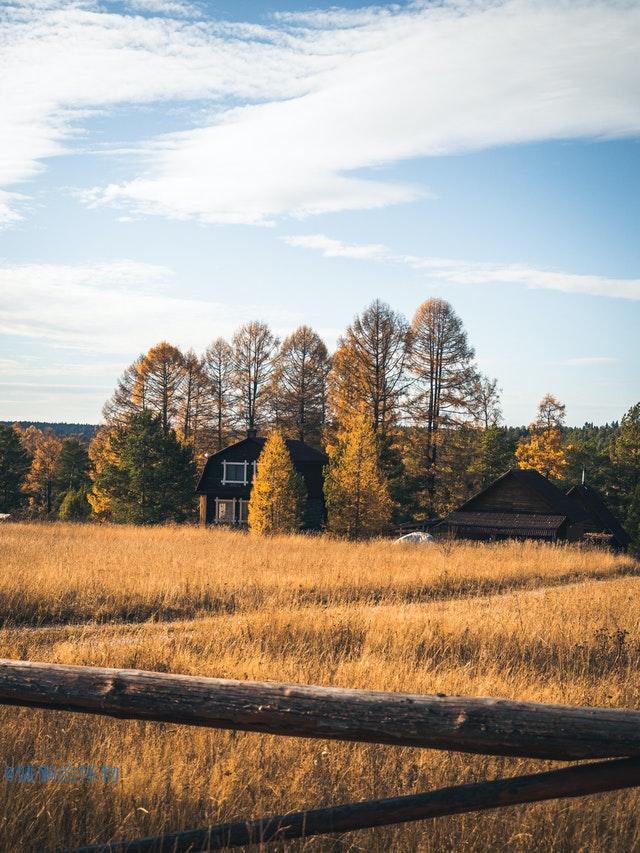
556 500
596 507
299 451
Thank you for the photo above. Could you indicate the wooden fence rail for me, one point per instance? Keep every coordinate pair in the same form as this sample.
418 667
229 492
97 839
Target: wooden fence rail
487 726
479 725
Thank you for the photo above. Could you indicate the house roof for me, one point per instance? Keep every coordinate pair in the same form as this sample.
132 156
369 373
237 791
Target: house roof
506 523
596 507
300 453
556 500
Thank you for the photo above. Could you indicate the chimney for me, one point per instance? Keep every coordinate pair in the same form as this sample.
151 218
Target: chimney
252 433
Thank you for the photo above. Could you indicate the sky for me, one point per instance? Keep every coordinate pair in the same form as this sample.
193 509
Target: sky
172 169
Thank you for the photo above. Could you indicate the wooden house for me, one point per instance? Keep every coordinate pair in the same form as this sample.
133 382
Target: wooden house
225 484
601 527
521 504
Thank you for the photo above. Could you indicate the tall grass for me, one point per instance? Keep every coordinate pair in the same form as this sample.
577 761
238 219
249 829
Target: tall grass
521 621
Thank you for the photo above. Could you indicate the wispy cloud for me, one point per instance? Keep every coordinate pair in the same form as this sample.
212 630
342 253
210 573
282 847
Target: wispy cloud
449 271
302 112
591 361
120 307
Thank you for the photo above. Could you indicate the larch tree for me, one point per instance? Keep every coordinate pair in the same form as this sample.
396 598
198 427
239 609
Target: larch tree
40 482
300 385
441 364
194 412
543 449
370 366
129 395
101 454
254 352
358 502
486 401
276 503
218 364
161 378
14 464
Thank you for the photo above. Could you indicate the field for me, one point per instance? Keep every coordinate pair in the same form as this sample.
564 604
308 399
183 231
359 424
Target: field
519 621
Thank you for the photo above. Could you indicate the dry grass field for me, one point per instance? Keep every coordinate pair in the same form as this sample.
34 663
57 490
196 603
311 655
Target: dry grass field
520 621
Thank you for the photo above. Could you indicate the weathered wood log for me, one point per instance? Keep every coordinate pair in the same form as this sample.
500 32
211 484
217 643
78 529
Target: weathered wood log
480 725
577 781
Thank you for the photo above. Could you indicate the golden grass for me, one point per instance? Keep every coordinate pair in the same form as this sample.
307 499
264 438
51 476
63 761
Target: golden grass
522 621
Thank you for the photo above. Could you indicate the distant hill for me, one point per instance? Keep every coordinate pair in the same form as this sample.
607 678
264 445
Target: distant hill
62 430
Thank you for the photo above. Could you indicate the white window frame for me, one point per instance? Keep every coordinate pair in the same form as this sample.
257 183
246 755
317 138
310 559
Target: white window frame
226 501
226 481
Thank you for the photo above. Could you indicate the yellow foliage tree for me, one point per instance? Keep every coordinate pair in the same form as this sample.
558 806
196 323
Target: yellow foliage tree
101 454
358 501
276 504
40 481
543 451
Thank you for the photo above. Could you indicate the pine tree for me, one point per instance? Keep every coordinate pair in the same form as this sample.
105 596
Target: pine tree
276 504
149 477
358 501
14 464
496 454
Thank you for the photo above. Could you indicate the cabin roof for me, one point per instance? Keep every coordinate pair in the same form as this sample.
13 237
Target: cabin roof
300 452
591 501
506 523
556 500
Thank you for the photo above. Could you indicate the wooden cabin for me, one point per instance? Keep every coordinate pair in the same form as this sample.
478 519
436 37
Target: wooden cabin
521 504
225 484
601 526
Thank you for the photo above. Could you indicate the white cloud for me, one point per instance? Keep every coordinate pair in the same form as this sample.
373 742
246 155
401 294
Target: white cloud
450 271
164 7
591 361
319 99
121 307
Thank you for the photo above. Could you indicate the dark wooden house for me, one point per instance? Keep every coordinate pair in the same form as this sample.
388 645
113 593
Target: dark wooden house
601 527
521 504
225 484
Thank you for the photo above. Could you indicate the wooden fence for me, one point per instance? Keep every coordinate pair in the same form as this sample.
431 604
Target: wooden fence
476 725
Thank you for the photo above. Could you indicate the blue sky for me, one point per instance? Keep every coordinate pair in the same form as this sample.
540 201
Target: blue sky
172 169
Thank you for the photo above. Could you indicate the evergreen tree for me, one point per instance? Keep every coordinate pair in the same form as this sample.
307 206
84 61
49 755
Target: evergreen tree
496 454
14 464
74 506
358 501
276 504
149 477
72 466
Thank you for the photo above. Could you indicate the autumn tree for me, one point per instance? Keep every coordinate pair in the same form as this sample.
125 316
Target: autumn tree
101 454
129 395
195 407
551 413
254 352
300 385
149 477
543 449
369 367
219 367
14 464
358 502
441 363
40 481
278 495
486 401
161 377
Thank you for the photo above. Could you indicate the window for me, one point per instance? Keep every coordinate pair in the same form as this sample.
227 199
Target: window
243 513
234 473
225 510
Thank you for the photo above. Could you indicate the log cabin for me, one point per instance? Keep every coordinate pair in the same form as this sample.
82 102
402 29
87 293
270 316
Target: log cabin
521 504
225 484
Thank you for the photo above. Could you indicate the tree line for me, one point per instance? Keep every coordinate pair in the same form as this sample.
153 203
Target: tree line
406 394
